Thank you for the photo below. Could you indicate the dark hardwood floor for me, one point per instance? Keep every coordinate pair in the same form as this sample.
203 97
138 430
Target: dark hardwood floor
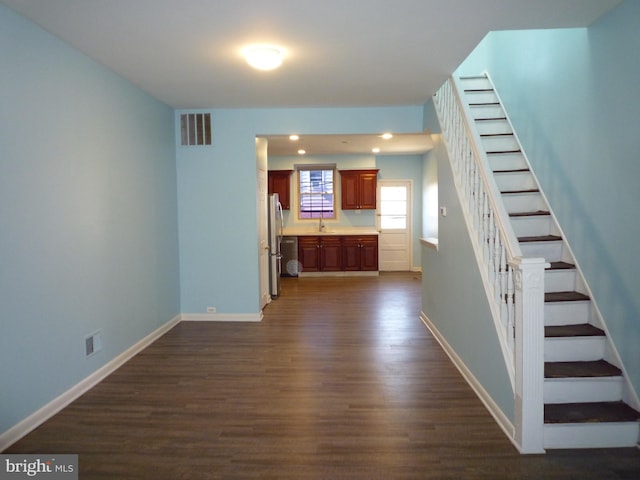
341 380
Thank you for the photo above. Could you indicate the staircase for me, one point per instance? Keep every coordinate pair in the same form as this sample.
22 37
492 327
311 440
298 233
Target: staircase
587 400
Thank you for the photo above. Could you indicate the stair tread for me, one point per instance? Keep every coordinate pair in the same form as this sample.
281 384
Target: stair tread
478 89
580 330
565 296
485 119
515 170
598 368
530 214
594 412
502 152
561 266
531 190
505 134
482 104
541 238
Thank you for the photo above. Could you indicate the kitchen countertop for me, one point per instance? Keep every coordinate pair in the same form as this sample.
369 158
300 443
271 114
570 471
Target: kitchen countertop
308 232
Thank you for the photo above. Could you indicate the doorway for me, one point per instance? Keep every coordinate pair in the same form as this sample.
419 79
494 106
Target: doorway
394 225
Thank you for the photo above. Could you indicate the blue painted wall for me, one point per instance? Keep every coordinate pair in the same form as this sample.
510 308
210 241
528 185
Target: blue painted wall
217 196
573 98
88 216
453 296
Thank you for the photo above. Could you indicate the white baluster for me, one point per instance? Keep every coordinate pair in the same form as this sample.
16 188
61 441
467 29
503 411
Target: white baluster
486 230
497 251
503 288
511 314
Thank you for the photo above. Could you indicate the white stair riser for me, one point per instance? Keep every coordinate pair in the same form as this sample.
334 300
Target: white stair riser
480 97
511 181
500 143
507 161
575 390
531 226
574 349
492 127
560 281
523 202
475 83
550 251
591 435
566 313
487 112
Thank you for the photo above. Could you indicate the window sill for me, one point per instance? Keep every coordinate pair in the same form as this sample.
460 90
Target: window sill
430 242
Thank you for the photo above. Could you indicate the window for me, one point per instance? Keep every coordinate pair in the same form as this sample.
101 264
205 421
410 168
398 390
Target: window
393 207
316 194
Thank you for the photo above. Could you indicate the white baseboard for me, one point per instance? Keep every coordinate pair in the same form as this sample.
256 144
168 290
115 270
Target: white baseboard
501 419
37 418
221 317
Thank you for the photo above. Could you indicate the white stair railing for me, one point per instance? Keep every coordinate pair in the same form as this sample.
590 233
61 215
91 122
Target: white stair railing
514 285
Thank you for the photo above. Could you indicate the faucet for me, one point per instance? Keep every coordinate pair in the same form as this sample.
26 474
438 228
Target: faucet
321 225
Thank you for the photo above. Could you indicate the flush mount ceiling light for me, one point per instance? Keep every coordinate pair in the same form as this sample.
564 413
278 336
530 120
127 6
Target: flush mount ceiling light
293 137
386 136
301 152
263 57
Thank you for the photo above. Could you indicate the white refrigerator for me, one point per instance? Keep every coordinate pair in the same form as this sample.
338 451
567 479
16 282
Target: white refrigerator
275 239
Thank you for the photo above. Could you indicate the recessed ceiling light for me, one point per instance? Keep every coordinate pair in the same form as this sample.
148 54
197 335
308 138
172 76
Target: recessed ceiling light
375 150
263 57
293 137
386 136
301 152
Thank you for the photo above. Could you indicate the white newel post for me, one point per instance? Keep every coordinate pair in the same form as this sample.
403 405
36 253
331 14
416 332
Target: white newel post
529 354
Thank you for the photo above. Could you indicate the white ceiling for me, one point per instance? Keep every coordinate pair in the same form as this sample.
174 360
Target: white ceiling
407 144
341 53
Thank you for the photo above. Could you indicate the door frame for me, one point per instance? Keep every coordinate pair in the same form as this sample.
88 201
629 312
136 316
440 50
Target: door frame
262 196
408 183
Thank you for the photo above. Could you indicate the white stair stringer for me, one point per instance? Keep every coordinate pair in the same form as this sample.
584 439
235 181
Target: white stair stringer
531 217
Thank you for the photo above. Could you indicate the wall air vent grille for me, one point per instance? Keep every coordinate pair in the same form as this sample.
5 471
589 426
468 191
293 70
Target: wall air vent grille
196 128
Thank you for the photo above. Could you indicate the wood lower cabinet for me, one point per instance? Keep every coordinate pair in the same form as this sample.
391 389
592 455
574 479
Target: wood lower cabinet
360 253
309 254
330 254
320 254
335 253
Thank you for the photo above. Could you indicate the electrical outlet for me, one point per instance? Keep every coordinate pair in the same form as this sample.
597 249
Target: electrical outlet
92 343
211 309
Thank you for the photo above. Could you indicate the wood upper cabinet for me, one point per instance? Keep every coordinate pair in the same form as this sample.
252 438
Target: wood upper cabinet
360 253
280 183
359 189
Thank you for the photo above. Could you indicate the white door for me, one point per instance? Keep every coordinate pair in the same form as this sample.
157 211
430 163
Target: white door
394 225
263 229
